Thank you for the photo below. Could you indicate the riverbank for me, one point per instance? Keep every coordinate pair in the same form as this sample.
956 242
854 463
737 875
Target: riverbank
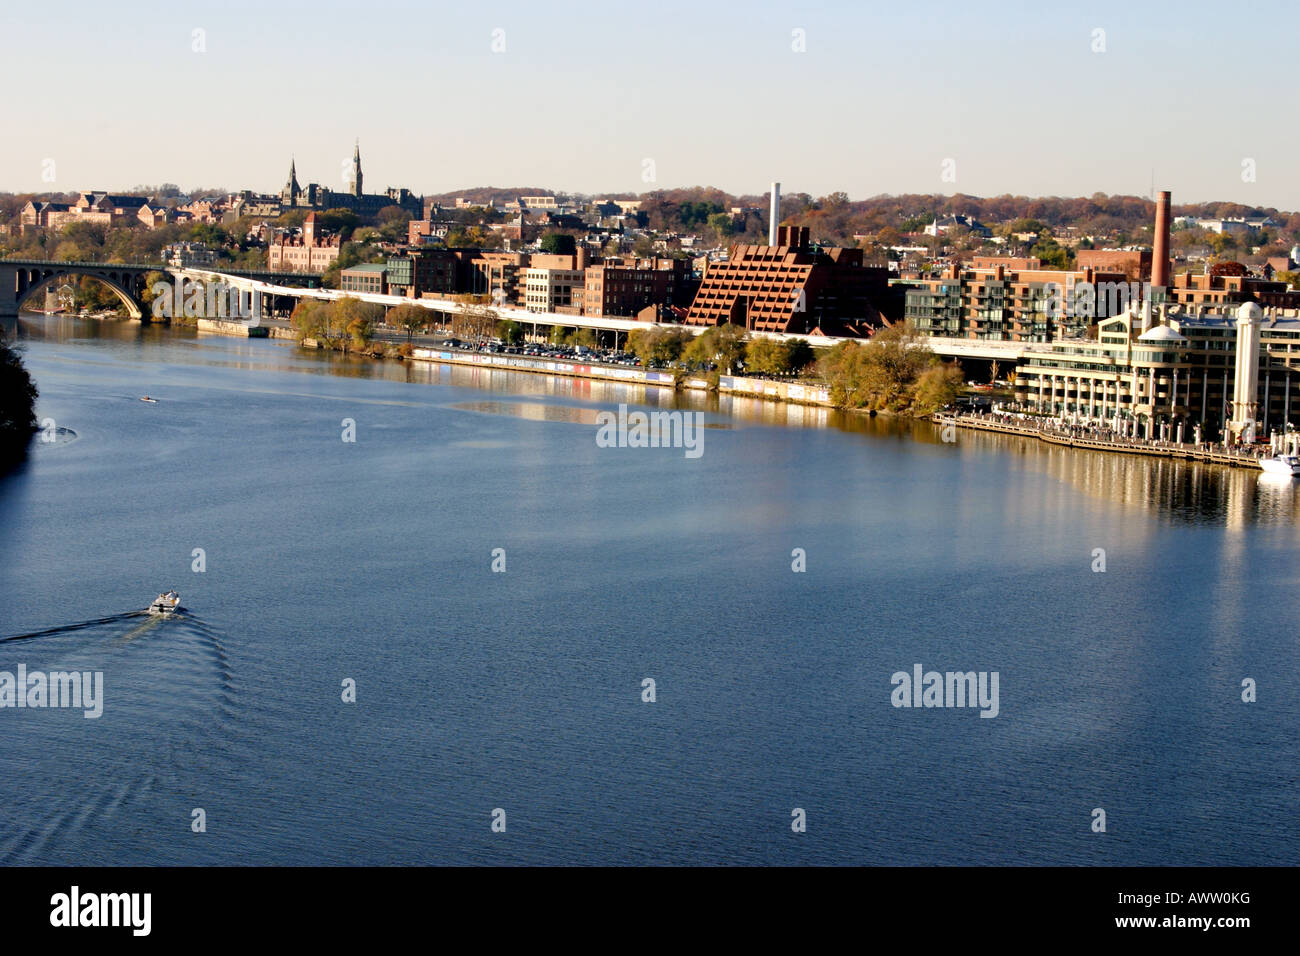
1078 439
793 392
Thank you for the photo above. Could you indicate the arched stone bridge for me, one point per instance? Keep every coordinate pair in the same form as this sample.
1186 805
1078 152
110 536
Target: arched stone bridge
21 279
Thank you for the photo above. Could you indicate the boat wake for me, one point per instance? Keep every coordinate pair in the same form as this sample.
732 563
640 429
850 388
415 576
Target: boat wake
68 628
169 724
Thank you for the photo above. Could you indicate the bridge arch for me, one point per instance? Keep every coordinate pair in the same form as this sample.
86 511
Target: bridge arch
37 280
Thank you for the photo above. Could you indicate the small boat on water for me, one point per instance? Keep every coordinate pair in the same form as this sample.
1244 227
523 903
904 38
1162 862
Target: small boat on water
168 602
151 401
1281 465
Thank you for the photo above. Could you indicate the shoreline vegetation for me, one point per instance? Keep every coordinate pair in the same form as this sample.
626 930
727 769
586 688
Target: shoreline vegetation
18 394
892 372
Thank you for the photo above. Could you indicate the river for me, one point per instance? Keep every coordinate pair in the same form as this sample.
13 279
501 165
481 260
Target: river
310 564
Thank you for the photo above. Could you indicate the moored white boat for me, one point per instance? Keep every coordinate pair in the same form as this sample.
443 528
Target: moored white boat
1281 465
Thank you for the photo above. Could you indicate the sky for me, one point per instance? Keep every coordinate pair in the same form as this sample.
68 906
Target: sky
862 97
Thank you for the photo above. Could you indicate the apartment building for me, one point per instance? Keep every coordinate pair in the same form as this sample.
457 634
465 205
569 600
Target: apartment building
626 287
553 290
1009 299
423 272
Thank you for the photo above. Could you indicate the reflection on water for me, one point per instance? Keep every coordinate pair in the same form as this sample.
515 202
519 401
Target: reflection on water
1186 491
1183 491
544 412
533 411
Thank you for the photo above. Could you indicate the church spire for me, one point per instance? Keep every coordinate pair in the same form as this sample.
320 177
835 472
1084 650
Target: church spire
356 168
291 190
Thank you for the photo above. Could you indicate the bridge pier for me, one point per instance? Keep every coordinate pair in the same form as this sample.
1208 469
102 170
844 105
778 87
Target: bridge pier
11 290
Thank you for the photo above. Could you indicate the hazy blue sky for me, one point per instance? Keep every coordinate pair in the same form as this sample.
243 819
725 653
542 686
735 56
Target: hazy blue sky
713 93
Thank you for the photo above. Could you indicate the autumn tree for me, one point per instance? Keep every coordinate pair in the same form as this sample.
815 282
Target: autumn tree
358 319
657 344
882 373
410 318
476 319
723 345
937 387
314 319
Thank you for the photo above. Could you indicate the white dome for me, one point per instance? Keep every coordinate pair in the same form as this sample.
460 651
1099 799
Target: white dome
1161 333
1250 312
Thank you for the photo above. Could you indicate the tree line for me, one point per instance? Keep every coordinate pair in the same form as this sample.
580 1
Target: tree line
18 396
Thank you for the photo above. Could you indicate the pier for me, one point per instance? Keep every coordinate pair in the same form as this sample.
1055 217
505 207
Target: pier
1081 436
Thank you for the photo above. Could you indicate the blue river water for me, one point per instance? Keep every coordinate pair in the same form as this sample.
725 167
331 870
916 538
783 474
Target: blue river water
326 562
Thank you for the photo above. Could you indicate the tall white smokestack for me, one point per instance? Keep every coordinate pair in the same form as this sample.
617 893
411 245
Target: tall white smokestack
774 214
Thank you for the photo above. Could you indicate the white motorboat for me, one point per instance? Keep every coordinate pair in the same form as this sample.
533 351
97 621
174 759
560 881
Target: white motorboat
1281 465
167 603
151 401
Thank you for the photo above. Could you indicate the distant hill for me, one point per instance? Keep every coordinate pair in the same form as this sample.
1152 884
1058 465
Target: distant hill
481 195
837 217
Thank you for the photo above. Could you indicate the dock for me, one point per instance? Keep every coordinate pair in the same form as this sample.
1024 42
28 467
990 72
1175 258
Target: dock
1074 438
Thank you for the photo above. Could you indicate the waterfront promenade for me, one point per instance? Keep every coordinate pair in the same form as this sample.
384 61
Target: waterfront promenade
1098 438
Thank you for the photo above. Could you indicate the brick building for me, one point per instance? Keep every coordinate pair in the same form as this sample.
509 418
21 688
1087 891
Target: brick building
792 288
424 272
420 231
97 208
484 273
1212 290
626 288
1135 264
1004 299
306 251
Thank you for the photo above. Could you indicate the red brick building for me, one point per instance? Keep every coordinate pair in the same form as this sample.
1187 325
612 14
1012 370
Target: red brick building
626 288
310 251
1218 290
792 288
1135 264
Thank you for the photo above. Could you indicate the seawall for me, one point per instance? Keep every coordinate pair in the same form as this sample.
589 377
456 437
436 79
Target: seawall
757 388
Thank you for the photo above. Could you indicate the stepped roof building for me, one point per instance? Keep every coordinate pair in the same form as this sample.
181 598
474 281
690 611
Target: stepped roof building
792 288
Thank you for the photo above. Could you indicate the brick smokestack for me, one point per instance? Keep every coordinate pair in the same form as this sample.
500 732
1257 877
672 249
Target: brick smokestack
774 214
1160 247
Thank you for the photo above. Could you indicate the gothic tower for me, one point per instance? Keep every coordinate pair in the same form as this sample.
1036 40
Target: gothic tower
356 170
292 191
